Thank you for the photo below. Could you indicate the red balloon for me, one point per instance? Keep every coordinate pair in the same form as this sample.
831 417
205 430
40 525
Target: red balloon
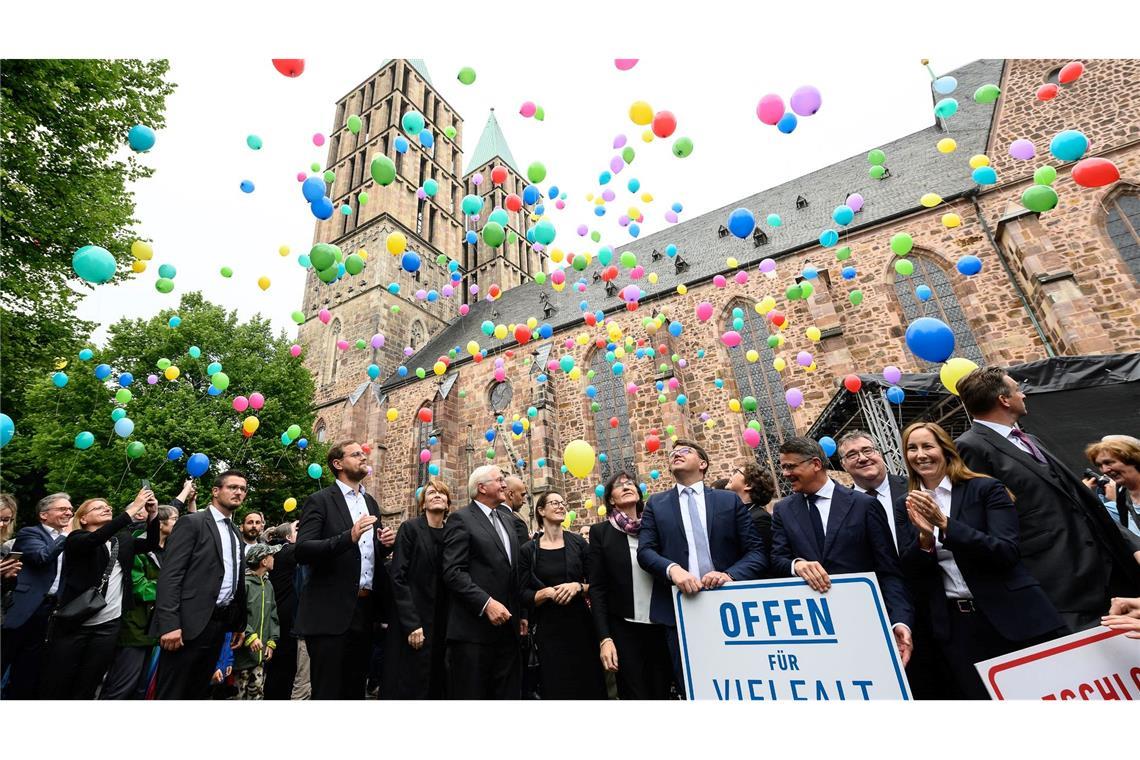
513 202
499 175
852 383
600 342
522 334
478 357
1071 72
590 318
425 415
510 354
609 273
614 422
290 67
664 123
1095 172
366 447
1047 91
776 318
652 443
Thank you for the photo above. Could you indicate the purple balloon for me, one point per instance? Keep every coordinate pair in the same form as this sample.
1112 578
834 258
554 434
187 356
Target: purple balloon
623 220
768 265
617 163
619 142
794 397
421 194
477 180
671 216
608 196
1022 150
582 230
152 379
855 201
806 100
892 374
377 341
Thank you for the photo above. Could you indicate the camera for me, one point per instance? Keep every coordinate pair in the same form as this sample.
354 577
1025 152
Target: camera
1101 480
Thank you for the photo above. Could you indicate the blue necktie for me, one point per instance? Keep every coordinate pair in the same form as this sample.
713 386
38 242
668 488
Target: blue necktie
700 538
816 522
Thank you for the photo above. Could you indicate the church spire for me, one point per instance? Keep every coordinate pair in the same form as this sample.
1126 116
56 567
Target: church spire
491 144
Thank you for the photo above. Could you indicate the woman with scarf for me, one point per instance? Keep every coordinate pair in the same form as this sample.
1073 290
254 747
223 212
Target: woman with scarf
630 646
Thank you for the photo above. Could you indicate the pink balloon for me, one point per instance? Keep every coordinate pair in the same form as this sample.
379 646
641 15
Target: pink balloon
421 294
342 345
241 403
256 400
794 397
741 277
752 437
731 339
425 456
704 311
500 374
674 383
463 309
719 281
560 204
637 272
302 176
631 388
294 349
625 64
671 216
892 374
152 379
770 109
854 201
528 108
1022 150
324 315
318 139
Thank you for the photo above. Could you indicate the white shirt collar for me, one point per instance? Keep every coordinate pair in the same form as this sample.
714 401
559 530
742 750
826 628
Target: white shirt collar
945 485
53 532
997 427
347 489
826 490
698 488
218 516
486 510
885 486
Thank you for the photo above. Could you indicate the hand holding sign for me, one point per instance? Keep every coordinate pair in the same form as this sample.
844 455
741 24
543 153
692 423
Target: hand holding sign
814 574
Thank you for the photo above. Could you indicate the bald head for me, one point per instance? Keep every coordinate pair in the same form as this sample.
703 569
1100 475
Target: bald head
515 494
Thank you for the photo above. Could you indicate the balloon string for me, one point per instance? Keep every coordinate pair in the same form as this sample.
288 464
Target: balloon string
156 471
124 475
70 470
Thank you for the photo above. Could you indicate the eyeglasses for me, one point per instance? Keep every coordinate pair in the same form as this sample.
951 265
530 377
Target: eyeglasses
60 509
240 489
554 503
788 467
738 470
357 455
855 454
683 451
625 484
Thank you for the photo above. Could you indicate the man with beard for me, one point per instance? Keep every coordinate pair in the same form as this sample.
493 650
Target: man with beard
514 498
252 526
336 540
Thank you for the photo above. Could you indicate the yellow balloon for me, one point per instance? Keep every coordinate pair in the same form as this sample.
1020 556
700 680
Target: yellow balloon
532 323
575 373
250 424
647 136
734 405
601 511
396 243
263 283
811 368
472 347
779 364
766 305
641 113
710 424
500 331
284 251
138 266
634 213
556 255
582 340
439 368
682 290
930 200
652 278
732 263
753 355
950 221
947 145
619 352
979 160
647 197
589 196
172 372
589 504
362 254
142 251
558 288
813 334
954 370
290 504
579 458
392 414
60 362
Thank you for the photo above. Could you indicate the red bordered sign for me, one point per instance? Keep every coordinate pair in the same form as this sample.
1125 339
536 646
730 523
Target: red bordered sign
1097 664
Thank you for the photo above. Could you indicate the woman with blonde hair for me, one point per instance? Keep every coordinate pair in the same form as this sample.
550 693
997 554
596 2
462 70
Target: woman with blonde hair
959 535
1117 457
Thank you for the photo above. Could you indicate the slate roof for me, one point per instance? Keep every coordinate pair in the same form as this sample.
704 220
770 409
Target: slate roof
492 144
915 167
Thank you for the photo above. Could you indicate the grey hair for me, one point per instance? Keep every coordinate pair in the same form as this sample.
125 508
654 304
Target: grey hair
45 503
851 435
480 475
165 512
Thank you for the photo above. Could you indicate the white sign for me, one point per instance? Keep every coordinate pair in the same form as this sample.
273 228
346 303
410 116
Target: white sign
772 640
1096 664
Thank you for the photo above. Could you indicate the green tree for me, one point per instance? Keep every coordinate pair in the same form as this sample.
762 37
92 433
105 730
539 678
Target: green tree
179 413
64 177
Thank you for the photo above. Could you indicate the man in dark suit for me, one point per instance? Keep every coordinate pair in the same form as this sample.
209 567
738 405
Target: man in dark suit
856 539
200 593
694 538
34 598
862 460
1068 540
337 610
480 570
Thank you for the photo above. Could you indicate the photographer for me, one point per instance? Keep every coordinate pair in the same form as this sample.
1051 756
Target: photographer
1115 479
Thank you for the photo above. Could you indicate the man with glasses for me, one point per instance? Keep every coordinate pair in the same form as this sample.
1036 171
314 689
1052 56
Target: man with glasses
25 622
338 607
856 538
201 592
863 461
694 538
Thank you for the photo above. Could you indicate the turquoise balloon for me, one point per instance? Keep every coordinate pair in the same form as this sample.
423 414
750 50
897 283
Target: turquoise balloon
93 264
195 352
412 122
315 471
985 175
59 379
118 414
946 108
84 440
167 271
544 232
1069 145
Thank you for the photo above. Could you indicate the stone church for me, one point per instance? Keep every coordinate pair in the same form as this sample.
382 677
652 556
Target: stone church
1062 282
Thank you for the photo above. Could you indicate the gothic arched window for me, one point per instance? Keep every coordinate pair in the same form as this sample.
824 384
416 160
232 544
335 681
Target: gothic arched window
334 355
616 443
761 381
418 334
941 304
1123 226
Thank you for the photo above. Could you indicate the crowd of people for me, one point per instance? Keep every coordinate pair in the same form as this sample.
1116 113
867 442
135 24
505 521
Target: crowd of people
987 545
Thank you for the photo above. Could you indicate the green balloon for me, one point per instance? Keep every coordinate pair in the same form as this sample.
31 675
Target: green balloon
294 432
773 341
493 234
362 198
323 255
314 167
627 154
354 124
162 363
330 176
354 264
876 172
512 238
755 425
904 267
123 395
794 292
328 275
843 253
902 243
466 75
490 453
227 272
420 373
987 93
749 403
135 449
450 131
441 259
806 289
596 236
298 317
1044 175
628 260
539 113
876 157
220 380
383 170
1039 198
855 297
164 285
536 172
682 147
540 278
595 407
361 343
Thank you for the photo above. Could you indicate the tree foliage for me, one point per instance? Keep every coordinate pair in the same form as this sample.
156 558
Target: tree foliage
64 179
43 458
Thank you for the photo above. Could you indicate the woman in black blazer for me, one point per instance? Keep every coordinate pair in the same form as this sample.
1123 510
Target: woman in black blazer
961 549
552 569
79 654
630 646
419 634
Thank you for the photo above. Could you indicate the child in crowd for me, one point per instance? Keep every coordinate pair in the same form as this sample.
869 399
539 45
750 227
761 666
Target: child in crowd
262 628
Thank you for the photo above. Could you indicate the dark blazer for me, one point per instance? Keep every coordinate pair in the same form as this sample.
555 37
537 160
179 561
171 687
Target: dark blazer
610 570
982 534
40 563
762 519
735 546
324 544
416 567
858 541
475 569
1067 539
85 557
192 574
522 532
577 550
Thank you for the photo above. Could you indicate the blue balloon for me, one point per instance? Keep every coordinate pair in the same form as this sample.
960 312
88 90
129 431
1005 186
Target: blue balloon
675 329
545 331
827 443
923 293
402 371
849 273
677 207
969 265
426 138
102 372
591 391
604 178
401 144
322 208
59 379
490 435
1069 145
517 427
552 193
539 210
598 211
809 272
828 238
7 430
124 427
313 189
410 261
140 138
531 194
843 215
246 186
174 454
787 123
197 465
741 222
214 391
126 379
985 175
472 237
433 441
634 230
86 354
895 394
945 85
930 339
302 443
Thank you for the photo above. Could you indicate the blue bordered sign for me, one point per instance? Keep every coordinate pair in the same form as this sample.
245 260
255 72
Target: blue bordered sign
778 640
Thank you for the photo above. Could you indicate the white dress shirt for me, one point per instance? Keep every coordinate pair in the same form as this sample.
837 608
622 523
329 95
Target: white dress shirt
1004 431
699 496
883 494
55 534
823 504
226 531
642 585
952 579
358 508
